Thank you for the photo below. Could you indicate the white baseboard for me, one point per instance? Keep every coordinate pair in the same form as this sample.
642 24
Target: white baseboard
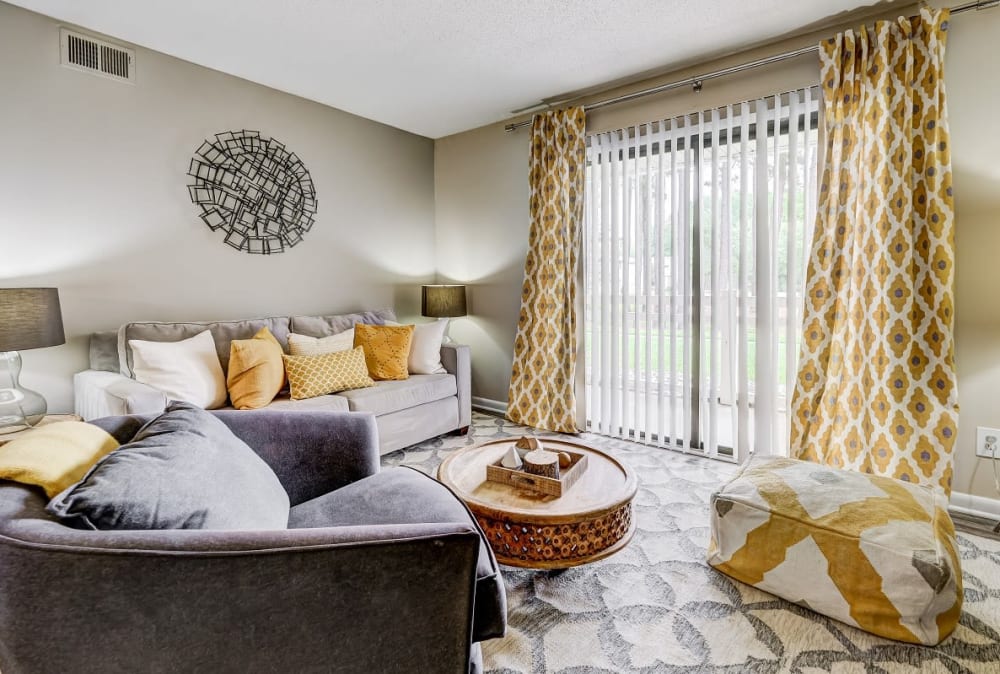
970 504
487 405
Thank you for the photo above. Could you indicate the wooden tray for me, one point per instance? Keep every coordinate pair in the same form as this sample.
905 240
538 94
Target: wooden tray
497 472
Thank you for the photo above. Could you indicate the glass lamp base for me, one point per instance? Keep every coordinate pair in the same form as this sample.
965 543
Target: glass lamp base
19 407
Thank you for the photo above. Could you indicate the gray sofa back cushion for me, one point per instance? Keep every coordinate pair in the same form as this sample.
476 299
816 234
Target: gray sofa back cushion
104 351
223 332
183 470
324 326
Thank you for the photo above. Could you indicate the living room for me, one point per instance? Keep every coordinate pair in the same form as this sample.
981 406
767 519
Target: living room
397 117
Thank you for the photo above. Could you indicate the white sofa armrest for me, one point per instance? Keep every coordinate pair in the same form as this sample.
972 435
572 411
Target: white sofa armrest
103 394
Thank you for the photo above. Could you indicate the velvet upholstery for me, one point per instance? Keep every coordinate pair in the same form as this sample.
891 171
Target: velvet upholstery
312 453
183 470
392 597
398 495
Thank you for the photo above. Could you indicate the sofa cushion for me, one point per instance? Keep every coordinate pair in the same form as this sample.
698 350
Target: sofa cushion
54 456
391 396
407 496
187 370
323 326
333 403
223 332
311 376
304 345
104 351
256 371
387 348
873 552
425 349
182 470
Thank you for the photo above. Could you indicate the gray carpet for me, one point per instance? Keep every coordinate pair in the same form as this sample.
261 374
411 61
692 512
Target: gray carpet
657 606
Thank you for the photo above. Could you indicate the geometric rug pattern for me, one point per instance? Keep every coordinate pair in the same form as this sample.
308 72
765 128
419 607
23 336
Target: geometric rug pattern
657 606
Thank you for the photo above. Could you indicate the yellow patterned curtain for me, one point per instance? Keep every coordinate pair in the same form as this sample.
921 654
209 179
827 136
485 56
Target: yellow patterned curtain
876 389
543 378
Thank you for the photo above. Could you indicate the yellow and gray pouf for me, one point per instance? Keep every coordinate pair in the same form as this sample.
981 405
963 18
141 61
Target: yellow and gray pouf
873 552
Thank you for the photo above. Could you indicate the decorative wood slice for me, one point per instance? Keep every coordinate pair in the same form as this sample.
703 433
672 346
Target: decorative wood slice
542 462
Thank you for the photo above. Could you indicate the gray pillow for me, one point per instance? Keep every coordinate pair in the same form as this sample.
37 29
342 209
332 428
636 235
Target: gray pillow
183 470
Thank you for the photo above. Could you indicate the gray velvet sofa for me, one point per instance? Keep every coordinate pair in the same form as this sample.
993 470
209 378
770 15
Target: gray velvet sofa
378 572
407 412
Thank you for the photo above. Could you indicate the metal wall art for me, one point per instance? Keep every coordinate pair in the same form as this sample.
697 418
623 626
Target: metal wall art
255 190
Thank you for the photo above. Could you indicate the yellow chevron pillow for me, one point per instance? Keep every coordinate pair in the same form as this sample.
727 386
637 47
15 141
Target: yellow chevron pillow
387 349
55 456
876 553
311 376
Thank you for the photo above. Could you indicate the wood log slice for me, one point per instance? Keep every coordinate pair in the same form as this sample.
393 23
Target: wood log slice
542 462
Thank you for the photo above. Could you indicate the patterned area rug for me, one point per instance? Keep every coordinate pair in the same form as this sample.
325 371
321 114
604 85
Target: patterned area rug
656 606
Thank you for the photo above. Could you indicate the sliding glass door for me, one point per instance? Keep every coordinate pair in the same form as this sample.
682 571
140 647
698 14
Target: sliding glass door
696 235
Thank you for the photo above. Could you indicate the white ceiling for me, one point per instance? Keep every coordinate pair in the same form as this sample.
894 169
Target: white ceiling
436 67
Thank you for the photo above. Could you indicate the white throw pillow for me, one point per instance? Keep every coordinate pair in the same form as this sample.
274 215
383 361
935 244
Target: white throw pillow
303 345
187 370
425 349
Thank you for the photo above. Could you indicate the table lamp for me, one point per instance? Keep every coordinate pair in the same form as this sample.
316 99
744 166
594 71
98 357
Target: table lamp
442 301
30 318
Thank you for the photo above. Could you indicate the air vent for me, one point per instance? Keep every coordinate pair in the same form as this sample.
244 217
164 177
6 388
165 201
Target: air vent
99 57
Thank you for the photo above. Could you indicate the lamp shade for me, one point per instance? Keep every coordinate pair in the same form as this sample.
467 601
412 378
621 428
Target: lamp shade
442 301
30 318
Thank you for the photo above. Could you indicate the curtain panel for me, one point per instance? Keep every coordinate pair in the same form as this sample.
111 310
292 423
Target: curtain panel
543 378
876 386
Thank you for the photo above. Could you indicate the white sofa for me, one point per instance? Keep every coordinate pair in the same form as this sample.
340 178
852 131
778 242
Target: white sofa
406 412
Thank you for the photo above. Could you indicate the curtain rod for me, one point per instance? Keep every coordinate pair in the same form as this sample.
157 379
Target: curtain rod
697 80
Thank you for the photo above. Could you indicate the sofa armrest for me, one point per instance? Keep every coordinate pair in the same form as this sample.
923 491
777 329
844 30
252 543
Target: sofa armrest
311 452
289 600
101 394
457 359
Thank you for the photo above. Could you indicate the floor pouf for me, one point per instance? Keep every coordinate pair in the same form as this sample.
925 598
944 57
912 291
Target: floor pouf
872 552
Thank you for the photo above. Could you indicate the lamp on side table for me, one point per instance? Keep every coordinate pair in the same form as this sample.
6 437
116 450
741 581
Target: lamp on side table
442 301
30 318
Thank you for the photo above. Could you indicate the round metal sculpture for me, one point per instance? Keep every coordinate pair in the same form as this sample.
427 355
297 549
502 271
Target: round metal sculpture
254 190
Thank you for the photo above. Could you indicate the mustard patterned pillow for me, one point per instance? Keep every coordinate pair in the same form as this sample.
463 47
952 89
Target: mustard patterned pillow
311 376
387 349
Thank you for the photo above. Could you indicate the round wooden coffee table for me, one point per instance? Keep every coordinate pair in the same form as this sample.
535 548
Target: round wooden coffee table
591 520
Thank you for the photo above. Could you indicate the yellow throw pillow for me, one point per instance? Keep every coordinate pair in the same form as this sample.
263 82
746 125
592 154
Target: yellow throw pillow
387 349
256 372
55 456
311 376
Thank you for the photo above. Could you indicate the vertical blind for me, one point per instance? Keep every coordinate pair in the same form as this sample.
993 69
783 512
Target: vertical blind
696 235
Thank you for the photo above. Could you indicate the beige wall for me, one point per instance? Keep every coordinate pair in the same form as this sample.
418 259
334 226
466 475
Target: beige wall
481 196
93 199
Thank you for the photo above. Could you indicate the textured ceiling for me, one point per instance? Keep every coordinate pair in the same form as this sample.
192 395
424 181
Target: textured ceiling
436 67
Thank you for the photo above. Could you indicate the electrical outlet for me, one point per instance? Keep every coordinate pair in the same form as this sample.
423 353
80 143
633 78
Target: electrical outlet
986 440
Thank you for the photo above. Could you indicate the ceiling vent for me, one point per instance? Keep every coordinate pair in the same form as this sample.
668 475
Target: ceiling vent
99 57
